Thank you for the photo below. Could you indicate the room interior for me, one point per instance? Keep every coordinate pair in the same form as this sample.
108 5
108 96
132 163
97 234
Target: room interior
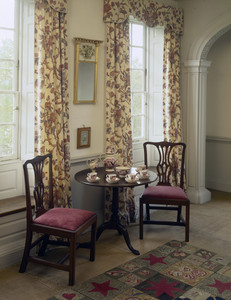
205 89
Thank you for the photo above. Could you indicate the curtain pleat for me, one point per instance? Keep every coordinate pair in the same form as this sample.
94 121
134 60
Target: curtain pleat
118 111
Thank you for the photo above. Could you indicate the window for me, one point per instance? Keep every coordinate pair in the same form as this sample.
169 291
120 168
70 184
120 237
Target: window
138 34
15 35
8 79
146 67
16 92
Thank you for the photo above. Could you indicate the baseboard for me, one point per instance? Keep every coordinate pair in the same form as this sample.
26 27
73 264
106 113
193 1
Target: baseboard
219 186
11 253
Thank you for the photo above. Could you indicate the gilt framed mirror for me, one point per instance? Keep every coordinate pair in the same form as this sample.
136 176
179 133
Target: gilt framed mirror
86 68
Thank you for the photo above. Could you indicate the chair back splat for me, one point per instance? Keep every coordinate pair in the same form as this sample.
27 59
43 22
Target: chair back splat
65 224
169 193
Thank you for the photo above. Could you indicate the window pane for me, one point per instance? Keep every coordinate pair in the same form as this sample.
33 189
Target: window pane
137 127
6 75
137 104
137 58
7 13
6 44
7 140
6 108
137 80
137 35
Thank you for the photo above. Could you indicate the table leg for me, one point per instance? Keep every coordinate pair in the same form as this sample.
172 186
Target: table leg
114 222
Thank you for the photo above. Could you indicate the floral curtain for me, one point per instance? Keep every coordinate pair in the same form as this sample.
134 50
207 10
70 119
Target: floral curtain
153 14
118 113
51 94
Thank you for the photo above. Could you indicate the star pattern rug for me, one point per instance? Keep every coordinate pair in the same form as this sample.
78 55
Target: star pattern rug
175 270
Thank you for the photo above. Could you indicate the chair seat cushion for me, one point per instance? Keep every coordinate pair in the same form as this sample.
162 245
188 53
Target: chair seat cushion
64 218
164 192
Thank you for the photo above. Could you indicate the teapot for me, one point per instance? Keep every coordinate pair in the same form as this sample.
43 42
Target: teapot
110 160
93 164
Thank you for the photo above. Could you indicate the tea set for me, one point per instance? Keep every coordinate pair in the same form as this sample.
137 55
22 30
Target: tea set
123 172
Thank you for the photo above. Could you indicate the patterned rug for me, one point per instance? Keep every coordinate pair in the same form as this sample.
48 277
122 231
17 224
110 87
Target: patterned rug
175 270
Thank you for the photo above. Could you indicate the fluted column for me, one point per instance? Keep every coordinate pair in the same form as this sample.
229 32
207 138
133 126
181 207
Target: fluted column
195 72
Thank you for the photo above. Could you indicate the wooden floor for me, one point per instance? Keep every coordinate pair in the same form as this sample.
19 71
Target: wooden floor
210 228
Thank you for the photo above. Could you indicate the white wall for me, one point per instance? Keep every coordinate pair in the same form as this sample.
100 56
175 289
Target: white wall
218 146
219 88
85 20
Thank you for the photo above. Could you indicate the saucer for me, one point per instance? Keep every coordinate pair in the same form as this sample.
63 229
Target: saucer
95 180
131 181
144 177
108 181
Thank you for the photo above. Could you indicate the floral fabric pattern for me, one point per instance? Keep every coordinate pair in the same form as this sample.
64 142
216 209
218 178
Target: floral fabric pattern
147 11
118 112
58 5
171 97
51 95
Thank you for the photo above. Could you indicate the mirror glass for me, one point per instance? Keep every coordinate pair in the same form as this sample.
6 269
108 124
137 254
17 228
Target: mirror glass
86 63
86 81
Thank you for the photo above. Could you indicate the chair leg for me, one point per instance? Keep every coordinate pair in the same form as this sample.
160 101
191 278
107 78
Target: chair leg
141 220
187 223
72 260
179 213
42 249
147 212
93 239
26 252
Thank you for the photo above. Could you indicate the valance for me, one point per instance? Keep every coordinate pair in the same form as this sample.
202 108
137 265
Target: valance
147 11
58 5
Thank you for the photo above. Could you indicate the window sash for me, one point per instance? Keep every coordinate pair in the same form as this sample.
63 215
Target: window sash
138 79
10 73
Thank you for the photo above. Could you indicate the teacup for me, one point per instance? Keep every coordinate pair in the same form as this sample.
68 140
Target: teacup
111 177
143 173
92 176
131 177
140 167
122 171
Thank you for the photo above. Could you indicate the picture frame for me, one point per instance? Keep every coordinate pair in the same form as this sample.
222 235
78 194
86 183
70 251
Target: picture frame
86 70
83 137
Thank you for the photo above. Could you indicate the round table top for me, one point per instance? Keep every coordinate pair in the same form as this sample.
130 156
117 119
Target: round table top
101 173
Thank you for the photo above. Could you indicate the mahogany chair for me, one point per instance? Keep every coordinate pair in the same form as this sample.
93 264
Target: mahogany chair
64 223
163 196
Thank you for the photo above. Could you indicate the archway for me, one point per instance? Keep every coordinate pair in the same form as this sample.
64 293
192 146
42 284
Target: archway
195 71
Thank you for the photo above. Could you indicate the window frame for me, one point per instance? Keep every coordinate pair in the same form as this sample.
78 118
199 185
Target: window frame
15 88
154 88
143 92
11 171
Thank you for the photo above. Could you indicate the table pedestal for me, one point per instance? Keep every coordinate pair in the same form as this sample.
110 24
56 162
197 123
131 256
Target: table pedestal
114 222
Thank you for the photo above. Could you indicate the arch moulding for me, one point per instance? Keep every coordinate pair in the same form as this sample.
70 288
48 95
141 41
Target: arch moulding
195 91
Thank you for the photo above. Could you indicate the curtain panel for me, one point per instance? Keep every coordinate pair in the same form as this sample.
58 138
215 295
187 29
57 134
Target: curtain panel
51 94
171 18
118 111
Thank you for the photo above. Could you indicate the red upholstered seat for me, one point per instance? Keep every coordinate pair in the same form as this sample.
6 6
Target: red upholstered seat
64 218
165 192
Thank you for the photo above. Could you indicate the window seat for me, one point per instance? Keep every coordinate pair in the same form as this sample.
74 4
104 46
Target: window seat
13 205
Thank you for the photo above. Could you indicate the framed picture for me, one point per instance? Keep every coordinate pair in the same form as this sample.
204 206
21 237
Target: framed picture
83 137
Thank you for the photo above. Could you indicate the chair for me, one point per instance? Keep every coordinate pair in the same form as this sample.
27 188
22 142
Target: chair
163 196
66 224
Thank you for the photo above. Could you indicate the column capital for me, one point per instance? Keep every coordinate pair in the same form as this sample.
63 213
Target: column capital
198 64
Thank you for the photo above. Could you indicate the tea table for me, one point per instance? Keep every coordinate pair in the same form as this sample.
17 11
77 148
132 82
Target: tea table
114 222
